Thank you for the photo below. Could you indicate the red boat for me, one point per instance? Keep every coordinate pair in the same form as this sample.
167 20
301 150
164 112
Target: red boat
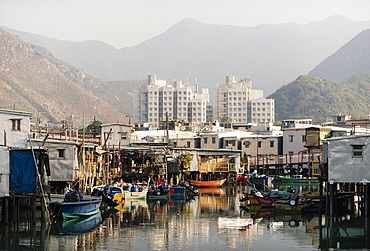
264 200
212 183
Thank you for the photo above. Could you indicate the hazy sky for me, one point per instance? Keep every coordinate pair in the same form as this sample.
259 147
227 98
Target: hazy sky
123 23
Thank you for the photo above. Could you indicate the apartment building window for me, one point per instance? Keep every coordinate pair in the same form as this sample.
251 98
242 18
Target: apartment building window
205 140
357 151
291 138
259 144
213 140
303 138
272 143
188 144
16 124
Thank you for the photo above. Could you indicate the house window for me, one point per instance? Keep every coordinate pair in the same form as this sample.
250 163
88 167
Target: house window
16 124
246 144
123 135
291 138
272 143
303 138
357 151
61 153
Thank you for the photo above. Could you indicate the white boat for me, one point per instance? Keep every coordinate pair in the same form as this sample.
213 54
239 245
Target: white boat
132 191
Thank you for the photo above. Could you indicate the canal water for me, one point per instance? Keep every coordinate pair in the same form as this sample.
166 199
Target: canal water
213 220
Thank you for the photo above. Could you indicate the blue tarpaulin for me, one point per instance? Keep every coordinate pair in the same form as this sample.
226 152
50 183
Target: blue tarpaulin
22 172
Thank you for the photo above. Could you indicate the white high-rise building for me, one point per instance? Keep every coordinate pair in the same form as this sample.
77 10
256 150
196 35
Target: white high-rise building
236 102
177 100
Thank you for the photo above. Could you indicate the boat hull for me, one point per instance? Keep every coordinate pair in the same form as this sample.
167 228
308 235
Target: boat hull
169 192
212 183
299 180
78 208
135 195
263 201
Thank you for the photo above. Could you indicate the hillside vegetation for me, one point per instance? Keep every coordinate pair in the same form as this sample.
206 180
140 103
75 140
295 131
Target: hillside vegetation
320 99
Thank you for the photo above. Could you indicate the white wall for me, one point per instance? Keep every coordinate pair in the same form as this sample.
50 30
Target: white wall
4 171
14 138
342 165
297 144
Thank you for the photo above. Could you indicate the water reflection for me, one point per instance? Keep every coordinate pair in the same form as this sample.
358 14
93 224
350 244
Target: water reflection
213 220
77 225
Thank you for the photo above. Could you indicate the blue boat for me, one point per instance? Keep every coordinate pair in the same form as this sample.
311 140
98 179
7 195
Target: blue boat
111 195
159 192
74 205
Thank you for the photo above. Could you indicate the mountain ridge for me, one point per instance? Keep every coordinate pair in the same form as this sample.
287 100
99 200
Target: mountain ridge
37 82
273 53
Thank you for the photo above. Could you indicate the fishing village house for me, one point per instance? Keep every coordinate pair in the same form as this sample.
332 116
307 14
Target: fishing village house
115 135
347 161
15 128
71 160
294 135
22 169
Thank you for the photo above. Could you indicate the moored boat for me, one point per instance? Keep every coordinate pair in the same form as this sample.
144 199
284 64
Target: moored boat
111 195
175 192
135 192
263 201
212 183
74 205
284 179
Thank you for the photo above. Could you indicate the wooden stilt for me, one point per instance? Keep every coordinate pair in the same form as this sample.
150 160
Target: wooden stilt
6 211
33 209
331 189
366 199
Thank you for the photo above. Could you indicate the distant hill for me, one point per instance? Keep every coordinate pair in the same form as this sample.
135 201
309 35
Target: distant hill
320 99
273 54
351 59
32 80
